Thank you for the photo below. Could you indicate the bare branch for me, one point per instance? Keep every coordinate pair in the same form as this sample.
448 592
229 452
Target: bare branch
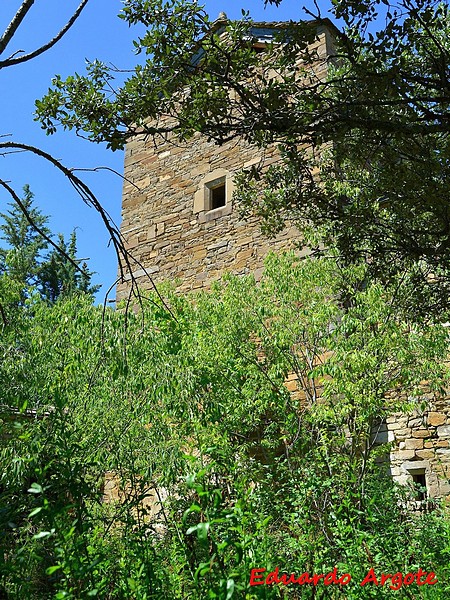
15 23
90 199
82 189
14 60
95 169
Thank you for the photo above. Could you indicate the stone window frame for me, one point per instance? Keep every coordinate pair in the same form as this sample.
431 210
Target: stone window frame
202 197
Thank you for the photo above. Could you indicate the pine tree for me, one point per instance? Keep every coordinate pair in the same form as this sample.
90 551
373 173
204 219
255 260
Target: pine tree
58 276
21 257
27 263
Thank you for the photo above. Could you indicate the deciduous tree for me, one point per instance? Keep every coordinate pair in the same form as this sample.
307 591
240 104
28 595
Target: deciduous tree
195 408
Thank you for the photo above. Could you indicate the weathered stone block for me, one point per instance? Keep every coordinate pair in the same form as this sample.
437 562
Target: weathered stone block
443 431
421 433
425 453
415 422
442 444
402 433
444 488
403 454
414 444
443 452
435 418
414 466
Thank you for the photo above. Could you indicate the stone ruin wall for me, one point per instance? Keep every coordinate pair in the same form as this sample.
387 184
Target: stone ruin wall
163 232
421 444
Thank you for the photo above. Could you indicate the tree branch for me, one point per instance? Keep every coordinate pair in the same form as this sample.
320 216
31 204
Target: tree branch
14 60
82 189
15 23
90 199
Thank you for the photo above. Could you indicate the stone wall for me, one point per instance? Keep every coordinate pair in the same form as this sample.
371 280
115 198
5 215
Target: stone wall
421 445
163 232
418 442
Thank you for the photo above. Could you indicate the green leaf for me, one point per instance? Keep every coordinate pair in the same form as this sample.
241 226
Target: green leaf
42 534
35 488
230 589
53 569
36 511
202 531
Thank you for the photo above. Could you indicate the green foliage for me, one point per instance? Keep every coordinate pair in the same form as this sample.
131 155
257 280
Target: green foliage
24 244
59 277
217 468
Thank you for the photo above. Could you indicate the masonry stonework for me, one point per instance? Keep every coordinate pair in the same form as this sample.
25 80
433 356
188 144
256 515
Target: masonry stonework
163 232
421 445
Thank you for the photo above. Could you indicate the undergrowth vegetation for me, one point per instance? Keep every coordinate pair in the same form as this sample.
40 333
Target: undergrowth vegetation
150 455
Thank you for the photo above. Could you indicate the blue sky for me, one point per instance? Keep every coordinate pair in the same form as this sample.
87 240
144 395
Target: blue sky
97 34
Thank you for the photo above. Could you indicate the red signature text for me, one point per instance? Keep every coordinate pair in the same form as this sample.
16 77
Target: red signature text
257 577
394 581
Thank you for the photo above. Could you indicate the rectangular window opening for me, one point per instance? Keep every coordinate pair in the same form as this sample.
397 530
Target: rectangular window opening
217 196
420 486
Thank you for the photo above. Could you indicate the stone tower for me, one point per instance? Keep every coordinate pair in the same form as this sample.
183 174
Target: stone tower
178 216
